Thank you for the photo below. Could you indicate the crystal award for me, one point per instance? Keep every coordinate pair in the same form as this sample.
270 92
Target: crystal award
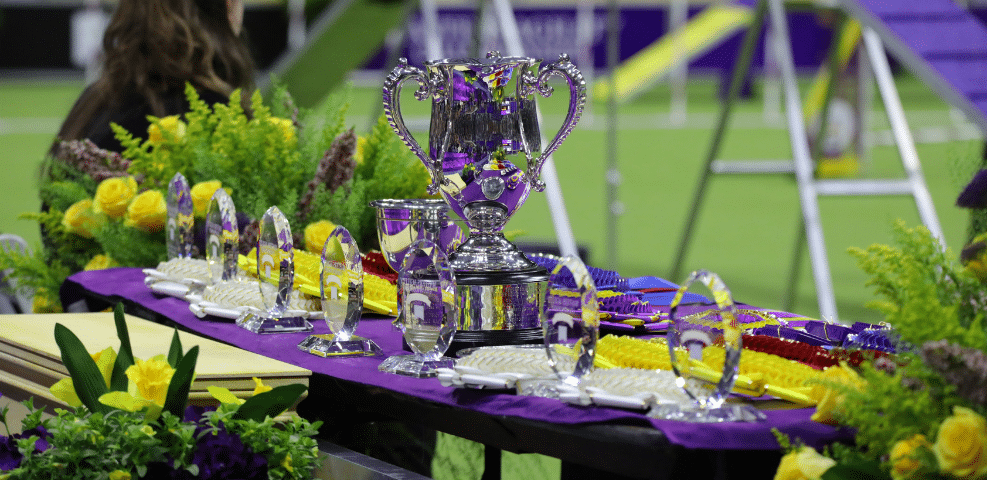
571 324
428 312
341 284
178 232
222 237
275 276
704 343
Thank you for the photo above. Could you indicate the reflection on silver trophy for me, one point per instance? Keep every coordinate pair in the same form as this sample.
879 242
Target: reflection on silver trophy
483 118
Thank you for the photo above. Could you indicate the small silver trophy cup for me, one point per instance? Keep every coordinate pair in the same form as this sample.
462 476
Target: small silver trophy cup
484 118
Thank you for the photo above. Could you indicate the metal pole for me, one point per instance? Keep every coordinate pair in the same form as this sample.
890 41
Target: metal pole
614 207
677 16
903 136
803 165
736 80
553 192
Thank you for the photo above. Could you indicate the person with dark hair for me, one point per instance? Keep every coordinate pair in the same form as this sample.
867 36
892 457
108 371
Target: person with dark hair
151 49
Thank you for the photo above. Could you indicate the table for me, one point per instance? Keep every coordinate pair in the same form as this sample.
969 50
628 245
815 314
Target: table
587 439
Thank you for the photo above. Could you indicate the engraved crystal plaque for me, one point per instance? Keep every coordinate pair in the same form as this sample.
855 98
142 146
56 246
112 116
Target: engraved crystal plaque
704 342
222 237
275 276
342 299
180 210
571 323
427 306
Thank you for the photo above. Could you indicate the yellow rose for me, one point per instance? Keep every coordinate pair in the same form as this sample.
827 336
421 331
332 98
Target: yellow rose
148 211
201 195
803 464
100 262
114 194
149 379
961 444
829 399
82 220
904 456
167 128
316 234
287 128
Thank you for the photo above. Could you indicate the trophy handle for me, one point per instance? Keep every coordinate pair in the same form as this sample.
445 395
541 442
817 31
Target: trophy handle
392 110
577 100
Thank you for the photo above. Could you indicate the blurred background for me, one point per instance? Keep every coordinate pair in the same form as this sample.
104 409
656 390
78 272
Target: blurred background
627 191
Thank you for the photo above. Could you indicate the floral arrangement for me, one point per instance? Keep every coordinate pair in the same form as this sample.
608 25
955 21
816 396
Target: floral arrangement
132 420
106 209
920 413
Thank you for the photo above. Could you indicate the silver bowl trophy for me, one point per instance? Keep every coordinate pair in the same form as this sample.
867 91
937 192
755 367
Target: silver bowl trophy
484 116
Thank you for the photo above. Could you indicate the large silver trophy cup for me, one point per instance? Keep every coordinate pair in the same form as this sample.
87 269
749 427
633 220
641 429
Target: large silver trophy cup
484 118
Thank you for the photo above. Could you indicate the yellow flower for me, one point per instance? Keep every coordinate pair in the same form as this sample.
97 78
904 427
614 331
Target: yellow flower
99 262
120 474
286 463
114 194
148 212
904 461
148 430
316 234
803 464
260 387
82 220
224 395
167 128
64 389
201 195
828 398
961 444
150 378
287 128
43 303
361 146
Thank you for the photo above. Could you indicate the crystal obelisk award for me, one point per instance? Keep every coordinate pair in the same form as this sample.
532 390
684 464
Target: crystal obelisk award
483 120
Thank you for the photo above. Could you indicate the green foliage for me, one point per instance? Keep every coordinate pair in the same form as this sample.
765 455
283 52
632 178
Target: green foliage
895 407
131 247
926 294
35 272
61 195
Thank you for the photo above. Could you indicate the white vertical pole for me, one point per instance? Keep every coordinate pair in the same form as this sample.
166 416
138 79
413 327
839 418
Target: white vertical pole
296 24
808 195
678 14
553 192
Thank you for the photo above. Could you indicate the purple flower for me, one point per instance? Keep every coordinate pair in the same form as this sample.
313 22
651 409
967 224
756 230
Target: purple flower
194 413
220 454
10 456
975 193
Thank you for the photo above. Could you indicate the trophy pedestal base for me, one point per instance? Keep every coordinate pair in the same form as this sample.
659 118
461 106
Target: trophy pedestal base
499 308
328 346
415 366
261 323
696 414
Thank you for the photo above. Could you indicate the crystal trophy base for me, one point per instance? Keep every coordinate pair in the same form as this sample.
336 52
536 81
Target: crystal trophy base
696 414
326 346
261 323
414 366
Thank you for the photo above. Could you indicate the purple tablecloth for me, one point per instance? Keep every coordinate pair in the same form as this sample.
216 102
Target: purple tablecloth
128 284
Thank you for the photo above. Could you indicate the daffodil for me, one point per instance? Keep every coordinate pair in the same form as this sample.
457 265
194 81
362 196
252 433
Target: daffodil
259 386
147 388
224 395
64 389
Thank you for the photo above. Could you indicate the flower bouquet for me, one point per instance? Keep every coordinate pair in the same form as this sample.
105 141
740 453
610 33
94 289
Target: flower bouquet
105 209
919 413
132 420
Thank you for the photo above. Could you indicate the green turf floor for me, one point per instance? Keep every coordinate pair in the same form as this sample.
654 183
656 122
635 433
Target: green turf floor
746 231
